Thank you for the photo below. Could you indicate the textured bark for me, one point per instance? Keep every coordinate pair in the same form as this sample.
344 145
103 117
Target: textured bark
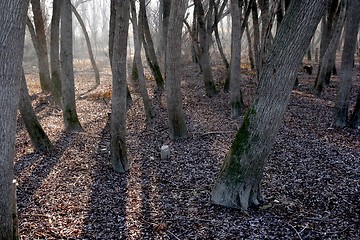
165 15
137 56
88 45
204 46
111 46
38 137
119 159
340 116
149 47
238 184
256 28
328 59
177 125
236 100
44 71
54 50
71 119
12 29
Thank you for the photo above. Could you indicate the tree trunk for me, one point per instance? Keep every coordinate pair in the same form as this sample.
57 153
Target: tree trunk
340 116
256 30
88 44
44 71
111 46
137 55
250 45
236 100
238 184
204 47
149 47
177 125
12 29
71 119
328 59
166 6
54 50
119 159
38 137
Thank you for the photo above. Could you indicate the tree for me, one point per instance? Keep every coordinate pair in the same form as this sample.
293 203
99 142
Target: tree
88 44
38 137
54 49
149 47
238 183
340 116
137 56
12 28
111 45
328 59
71 119
205 30
235 78
119 159
177 125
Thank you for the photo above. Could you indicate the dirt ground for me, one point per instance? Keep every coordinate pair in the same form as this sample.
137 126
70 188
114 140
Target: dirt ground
311 181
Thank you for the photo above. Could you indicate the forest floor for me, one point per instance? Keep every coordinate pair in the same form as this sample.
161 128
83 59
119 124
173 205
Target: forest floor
311 181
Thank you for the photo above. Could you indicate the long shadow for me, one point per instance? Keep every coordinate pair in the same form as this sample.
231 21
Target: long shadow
107 198
42 164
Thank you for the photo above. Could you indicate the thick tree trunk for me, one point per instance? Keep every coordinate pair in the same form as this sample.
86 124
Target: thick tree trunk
119 159
340 116
88 44
238 184
236 100
177 125
149 47
137 55
12 29
71 119
38 137
54 50
328 59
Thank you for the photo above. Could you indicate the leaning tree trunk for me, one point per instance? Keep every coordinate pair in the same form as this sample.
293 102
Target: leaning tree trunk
238 184
38 137
347 63
137 55
328 60
12 29
71 119
236 100
177 125
88 44
149 47
256 29
119 159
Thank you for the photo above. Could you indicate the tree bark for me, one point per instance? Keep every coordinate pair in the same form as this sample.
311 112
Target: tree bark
38 137
88 44
71 119
12 29
111 46
137 55
340 116
238 184
40 36
177 125
204 47
119 159
236 100
54 50
328 59
149 47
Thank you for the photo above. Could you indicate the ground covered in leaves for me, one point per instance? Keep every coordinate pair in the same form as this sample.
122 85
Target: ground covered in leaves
311 181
